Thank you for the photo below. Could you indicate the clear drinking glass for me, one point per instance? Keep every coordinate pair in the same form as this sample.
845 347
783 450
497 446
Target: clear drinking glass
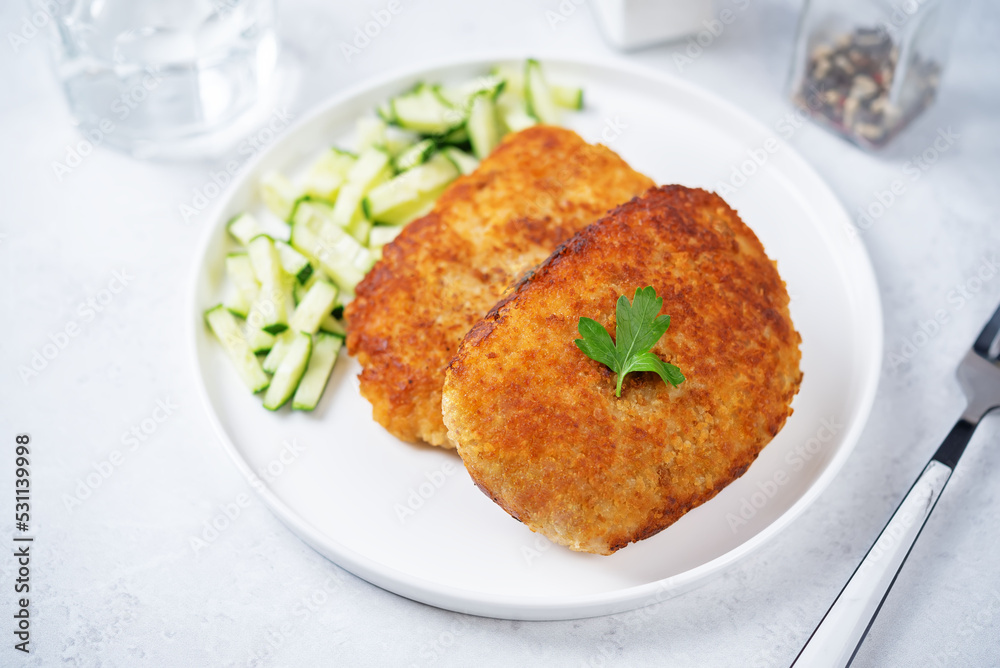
866 68
163 78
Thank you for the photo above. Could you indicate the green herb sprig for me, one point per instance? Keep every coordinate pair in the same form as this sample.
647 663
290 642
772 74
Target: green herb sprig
637 329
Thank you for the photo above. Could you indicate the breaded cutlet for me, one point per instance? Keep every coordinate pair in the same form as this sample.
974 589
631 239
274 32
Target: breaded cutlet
446 270
537 422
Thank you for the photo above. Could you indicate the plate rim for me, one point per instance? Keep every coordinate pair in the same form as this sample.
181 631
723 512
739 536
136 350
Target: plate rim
517 607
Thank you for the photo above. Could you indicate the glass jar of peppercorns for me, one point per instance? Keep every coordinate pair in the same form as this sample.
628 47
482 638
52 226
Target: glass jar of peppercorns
866 68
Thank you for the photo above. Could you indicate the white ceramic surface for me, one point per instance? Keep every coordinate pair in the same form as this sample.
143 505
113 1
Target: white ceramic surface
346 493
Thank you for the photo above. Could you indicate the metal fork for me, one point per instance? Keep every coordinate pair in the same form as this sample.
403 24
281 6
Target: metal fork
836 640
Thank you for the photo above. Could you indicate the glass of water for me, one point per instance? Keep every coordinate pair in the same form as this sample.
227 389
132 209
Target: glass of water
167 78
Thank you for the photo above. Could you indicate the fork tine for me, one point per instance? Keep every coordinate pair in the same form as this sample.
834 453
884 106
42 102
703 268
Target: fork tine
987 337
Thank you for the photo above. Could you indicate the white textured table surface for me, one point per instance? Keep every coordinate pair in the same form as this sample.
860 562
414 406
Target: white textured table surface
114 579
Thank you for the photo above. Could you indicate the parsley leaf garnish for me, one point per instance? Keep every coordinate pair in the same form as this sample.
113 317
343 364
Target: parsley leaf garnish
637 329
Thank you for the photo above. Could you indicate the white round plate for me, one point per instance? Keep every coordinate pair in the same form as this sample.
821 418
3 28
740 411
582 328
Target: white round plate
408 518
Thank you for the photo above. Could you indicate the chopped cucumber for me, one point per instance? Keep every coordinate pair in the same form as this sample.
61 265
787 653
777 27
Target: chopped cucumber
398 140
258 340
484 133
312 214
288 374
223 324
299 290
321 361
385 201
371 168
243 227
245 285
337 253
309 314
457 137
384 111
282 342
567 97
461 96
240 272
414 155
426 111
538 95
359 228
513 113
464 162
238 304
409 211
331 325
278 193
293 262
317 303
272 303
383 234
371 133
513 78
327 174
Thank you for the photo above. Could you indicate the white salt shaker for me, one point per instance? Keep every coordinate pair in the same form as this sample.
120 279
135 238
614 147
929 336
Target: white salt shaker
631 24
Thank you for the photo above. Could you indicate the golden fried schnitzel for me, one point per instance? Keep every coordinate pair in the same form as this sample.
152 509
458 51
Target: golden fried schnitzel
537 422
446 270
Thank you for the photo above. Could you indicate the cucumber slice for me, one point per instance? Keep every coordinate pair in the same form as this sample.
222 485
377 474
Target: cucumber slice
317 303
259 341
426 111
312 214
325 349
414 155
238 304
243 227
384 111
299 290
327 175
240 272
513 114
538 95
567 97
278 193
359 228
464 162
405 214
282 342
371 133
286 378
348 206
383 234
513 77
225 328
457 137
245 284
293 262
273 301
399 141
484 133
371 168
337 253
386 200
461 96
331 325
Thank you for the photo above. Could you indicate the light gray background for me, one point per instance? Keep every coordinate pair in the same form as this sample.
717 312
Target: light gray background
115 580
